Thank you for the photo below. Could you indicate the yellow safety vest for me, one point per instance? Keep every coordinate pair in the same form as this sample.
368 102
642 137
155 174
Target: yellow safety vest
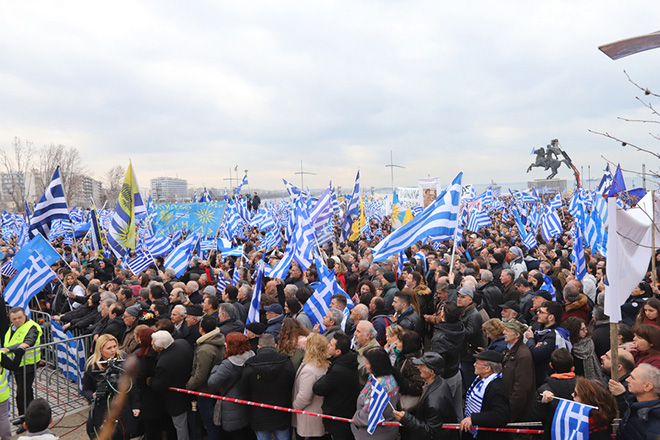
5 392
31 356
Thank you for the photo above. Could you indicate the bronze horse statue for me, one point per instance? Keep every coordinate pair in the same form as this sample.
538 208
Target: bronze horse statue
548 158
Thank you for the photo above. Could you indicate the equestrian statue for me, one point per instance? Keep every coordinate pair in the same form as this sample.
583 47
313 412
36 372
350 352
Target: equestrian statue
551 158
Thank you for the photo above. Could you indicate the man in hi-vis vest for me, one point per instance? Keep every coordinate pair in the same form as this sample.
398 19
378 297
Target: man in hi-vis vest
25 333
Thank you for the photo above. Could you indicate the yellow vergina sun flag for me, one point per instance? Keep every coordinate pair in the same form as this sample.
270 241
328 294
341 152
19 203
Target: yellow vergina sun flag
121 234
359 223
407 217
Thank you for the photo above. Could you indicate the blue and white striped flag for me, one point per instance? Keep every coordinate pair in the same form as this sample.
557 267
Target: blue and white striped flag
255 304
70 355
158 246
233 252
140 263
7 269
322 212
401 261
302 237
352 210
51 206
240 185
437 222
377 403
547 285
29 281
317 306
578 253
222 283
281 269
478 220
178 259
550 225
571 421
236 277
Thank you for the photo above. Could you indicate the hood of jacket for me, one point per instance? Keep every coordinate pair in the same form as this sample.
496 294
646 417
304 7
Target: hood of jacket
214 337
239 359
577 305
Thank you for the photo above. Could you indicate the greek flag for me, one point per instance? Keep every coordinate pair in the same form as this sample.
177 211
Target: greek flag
282 267
437 222
240 185
236 277
7 269
233 252
255 304
70 355
273 239
352 210
478 220
578 253
322 212
51 206
551 225
29 281
571 421
178 259
547 285
530 241
401 261
140 263
222 283
158 246
302 237
377 404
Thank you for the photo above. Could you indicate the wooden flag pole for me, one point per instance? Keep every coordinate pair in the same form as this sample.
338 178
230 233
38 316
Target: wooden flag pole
614 350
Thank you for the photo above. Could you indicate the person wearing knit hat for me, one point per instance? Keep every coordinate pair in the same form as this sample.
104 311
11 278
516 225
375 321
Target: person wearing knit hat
518 372
388 281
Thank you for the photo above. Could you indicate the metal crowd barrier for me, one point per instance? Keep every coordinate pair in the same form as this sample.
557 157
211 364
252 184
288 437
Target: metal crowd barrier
56 378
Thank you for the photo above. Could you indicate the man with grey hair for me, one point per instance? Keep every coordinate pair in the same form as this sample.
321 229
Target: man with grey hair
173 369
365 338
642 416
290 290
192 292
178 317
332 322
363 267
509 292
491 295
169 278
228 322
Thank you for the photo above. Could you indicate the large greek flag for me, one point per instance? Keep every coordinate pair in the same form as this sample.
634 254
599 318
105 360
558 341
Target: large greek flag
255 304
571 421
29 281
70 355
352 210
437 222
51 206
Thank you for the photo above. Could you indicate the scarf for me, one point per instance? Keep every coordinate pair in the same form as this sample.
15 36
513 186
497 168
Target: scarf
584 350
475 395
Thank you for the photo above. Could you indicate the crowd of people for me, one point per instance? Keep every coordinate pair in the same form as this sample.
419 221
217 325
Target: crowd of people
482 334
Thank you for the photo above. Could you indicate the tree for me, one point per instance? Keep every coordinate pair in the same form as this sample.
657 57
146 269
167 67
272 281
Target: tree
114 179
71 169
16 161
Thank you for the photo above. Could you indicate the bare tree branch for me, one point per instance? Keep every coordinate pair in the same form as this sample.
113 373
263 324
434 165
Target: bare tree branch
643 89
624 143
16 162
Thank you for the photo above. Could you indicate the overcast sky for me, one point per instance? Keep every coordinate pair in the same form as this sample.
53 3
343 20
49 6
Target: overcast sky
190 89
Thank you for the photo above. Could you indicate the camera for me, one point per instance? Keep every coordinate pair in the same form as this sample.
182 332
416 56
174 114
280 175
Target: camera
107 381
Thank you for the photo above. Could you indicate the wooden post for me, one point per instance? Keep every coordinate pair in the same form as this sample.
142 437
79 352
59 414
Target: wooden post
614 347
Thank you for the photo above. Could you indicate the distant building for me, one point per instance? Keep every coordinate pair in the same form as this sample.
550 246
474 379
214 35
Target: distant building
87 190
168 189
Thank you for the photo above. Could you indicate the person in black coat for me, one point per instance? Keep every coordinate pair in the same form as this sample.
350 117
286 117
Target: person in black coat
434 408
269 377
493 412
339 386
116 325
173 369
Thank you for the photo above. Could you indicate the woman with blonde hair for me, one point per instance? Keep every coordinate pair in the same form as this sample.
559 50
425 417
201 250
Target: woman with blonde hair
100 384
313 367
494 330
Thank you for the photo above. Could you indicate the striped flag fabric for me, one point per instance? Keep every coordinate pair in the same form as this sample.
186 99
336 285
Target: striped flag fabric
377 403
240 185
95 231
437 222
178 259
547 285
7 269
29 281
317 306
401 261
478 220
222 283
578 253
233 252
121 234
158 246
550 225
51 206
321 214
70 355
281 269
236 277
140 263
302 237
352 210
571 420
255 304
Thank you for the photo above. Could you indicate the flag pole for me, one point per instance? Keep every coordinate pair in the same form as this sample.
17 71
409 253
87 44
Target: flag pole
654 278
